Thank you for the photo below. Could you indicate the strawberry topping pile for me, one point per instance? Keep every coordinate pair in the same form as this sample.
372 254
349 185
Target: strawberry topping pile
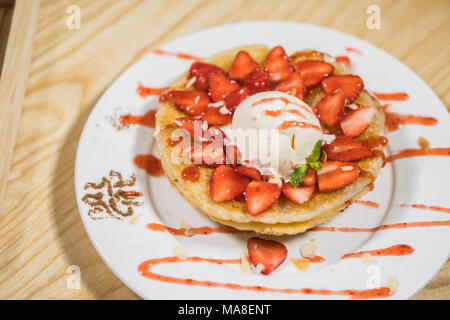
212 98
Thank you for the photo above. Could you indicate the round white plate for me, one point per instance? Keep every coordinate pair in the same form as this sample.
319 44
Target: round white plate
124 245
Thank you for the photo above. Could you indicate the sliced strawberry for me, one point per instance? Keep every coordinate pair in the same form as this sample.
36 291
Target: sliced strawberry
268 253
277 62
193 102
202 71
226 184
232 155
193 126
351 84
258 80
234 99
357 121
242 65
337 174
313 71
344 60
298 195
249 172
215 117
310 179
346 149
208 153
260 196
292 85
331 108
220 86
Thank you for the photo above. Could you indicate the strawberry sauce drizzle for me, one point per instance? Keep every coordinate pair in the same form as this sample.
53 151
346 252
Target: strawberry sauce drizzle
397 250
178 55
186 232
289 124
424 207
286 101
316 259
395 120
394 96
368 203
147 119
350 49
149 163
191 173
144 270
345 61
401 225
146 91
408 153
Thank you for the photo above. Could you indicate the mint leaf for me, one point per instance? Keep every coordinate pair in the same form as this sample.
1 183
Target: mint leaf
315 154
316 165
298 174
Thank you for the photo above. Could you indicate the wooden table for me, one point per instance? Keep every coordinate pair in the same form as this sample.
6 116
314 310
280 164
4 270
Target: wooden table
40 229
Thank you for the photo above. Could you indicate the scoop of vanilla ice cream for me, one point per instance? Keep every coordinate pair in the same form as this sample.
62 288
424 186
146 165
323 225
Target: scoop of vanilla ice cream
275 132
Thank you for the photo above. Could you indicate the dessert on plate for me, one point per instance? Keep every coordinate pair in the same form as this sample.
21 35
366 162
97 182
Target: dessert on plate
261 140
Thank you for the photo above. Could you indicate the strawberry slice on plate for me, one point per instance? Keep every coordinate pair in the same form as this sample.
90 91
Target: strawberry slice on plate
313 71
193 127
269 254
357 121
208 153
242 65
351 84
226 184
277 62
257 81
249 172
337 174
346 149
202 71
220 86
331 109
260 196
217 116
193 102
298 195
292 85
233 99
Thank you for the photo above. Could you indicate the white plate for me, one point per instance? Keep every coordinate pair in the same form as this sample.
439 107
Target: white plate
421 180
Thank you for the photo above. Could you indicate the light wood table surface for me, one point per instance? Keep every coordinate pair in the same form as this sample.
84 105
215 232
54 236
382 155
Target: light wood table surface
41 233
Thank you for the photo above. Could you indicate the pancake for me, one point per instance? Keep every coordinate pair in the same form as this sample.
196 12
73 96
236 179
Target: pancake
285 216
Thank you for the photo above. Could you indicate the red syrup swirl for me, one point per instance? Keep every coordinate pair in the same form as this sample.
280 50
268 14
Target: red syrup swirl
395 120
147 91
368 203
400 225
424 207
397 250
316 259
394 96
408 153
350 49
149 163
144 270
191 173
194 230
147 119
178 55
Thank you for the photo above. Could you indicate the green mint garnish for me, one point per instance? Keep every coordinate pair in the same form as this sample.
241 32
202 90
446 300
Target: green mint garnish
315 154
301 172
298 174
